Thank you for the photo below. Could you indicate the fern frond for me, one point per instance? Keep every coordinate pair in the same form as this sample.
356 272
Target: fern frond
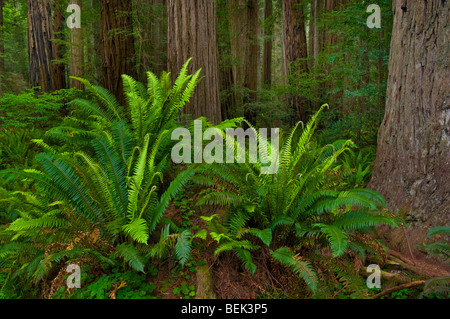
130 255
336 237
183 246
138 230
300 267
246 257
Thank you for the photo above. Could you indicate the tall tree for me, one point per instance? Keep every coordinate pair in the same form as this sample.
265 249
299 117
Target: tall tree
226 63
40 45
192 34
116 29
76 52
268 42
295 49
315 33
412 168
237 12
59 65
251 62
151 36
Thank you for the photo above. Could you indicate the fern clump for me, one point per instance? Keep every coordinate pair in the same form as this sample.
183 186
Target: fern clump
110 181
290 211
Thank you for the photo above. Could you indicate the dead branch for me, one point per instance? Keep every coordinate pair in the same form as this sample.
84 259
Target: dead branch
404 286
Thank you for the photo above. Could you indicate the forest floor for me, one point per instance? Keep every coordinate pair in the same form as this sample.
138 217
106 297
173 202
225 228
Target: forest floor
223 276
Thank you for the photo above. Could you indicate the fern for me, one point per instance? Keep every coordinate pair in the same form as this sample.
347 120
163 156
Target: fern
295 203
131 256
300 267
107 177
337 238
183 247
437 285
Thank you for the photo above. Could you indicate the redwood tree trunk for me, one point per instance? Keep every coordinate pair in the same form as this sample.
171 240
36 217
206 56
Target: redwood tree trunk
295 49
116 28
151 36
237 11
40 46
251 59
192 33
76 53
268 42
59 67
412 168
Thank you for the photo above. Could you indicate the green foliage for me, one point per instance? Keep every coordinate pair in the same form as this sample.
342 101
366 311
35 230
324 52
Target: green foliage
13 37
115 283
30 109
358 167
111 186
292 207
438 285
185 291
16 147
301 267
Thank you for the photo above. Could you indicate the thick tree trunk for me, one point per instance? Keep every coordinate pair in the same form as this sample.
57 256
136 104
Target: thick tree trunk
412 168
227 92
40 46
192 33
315 34
268 43
295 49
151 18
238 39
251 59
116 29
59 66
76 53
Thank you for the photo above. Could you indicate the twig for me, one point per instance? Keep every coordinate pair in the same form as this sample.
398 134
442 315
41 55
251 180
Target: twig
409 246
404 286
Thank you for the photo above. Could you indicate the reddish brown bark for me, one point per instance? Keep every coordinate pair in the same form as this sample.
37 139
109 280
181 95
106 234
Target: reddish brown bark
59 65
251 59
40 46
268 43
192 34
118 54
295 50
412 168
76 53
151 36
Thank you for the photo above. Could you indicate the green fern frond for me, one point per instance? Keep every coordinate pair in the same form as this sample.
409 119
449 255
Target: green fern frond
265 235
179 181
66 178
356 220
300 267
233 244
138 230
183 246
438 285
438 230
336 237
130 255
246 257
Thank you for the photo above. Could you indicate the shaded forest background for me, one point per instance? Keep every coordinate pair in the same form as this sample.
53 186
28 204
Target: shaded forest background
275 62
